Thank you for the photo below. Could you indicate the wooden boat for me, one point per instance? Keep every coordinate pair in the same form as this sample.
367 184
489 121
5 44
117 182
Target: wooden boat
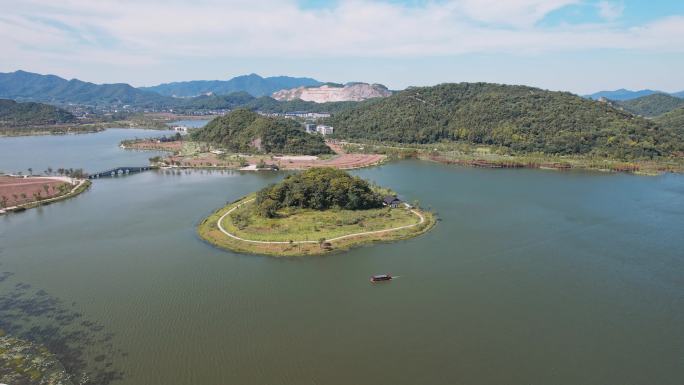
380 278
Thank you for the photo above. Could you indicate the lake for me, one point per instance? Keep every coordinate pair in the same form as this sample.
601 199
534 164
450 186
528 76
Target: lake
530 277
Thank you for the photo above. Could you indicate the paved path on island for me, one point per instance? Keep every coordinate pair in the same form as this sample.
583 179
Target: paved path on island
422 219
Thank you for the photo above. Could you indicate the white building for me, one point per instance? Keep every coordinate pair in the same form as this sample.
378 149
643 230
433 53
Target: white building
324 130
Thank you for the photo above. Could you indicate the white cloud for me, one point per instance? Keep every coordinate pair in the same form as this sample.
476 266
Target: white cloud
510 12
147 32
610 10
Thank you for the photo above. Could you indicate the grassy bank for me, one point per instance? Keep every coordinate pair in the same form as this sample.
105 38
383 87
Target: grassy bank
498 157
309 232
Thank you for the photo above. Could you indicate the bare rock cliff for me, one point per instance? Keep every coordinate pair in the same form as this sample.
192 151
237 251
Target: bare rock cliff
328 93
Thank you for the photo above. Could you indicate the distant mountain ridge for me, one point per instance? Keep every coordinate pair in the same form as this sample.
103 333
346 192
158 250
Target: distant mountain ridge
624 94
28 86
253 84
651 105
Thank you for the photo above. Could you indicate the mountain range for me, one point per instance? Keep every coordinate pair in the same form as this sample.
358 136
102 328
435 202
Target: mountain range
27 86
253 84
623 94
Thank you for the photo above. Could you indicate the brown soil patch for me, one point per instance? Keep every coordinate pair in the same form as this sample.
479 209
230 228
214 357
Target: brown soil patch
18 191
155 145
341 160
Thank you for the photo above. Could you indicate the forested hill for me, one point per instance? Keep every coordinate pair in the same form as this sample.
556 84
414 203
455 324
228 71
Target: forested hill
246 131
652 105
13 114
522 119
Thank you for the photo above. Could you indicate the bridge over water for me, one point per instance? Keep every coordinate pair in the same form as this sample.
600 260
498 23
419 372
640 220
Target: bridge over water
118 171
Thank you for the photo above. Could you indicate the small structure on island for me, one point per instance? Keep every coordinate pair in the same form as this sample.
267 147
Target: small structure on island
391 201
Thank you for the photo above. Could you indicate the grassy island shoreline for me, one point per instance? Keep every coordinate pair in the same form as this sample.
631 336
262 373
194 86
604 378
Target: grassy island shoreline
313 212
403 223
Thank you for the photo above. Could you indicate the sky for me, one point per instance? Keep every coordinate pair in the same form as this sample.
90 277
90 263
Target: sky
580 46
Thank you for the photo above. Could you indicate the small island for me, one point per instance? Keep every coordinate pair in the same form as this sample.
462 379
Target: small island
314 212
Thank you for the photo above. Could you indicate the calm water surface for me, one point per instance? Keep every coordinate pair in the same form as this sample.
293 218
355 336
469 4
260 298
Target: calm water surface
531 277
93 152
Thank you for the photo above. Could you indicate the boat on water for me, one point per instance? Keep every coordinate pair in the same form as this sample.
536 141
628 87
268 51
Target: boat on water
380 278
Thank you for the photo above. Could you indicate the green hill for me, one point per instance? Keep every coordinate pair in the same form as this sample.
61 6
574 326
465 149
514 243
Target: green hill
13 114
673 120
246 131
522 119
253 84
652 105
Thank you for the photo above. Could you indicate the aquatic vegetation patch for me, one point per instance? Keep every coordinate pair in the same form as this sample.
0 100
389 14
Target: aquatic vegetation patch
51 333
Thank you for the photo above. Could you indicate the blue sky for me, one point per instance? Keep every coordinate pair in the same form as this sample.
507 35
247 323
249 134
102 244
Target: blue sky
576 45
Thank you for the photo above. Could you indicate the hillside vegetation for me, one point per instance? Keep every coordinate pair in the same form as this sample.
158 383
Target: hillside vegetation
246 131
13 114
673 120
519 119
652 105
318 189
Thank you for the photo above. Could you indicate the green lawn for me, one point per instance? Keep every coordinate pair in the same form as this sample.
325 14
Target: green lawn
312 225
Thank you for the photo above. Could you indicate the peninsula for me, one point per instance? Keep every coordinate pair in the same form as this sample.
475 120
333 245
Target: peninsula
313 212
247 140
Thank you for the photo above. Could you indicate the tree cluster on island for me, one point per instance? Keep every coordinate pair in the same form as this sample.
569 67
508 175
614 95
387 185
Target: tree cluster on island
318 189
245 131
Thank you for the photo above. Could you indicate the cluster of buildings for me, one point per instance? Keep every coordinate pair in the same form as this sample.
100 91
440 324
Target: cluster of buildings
322 129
